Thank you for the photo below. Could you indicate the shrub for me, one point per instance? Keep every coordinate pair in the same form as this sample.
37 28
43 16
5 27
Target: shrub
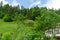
29 22
1 15
7 19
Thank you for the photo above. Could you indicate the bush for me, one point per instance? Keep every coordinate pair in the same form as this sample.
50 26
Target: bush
29 22
1 15
7 19
50 38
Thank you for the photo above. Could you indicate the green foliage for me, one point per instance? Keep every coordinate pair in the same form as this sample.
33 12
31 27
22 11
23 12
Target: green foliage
1 14
35 12
50 38
29 22
7 36
47 20
7 19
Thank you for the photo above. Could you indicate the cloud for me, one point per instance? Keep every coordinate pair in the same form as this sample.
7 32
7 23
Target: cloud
37 2
47 4
14 3
4 2
56 4
53 4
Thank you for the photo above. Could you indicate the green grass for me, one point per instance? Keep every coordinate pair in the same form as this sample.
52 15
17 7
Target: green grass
11 26
7 26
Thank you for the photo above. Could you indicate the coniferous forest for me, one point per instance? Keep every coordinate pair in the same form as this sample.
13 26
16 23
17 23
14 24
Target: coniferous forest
27 24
